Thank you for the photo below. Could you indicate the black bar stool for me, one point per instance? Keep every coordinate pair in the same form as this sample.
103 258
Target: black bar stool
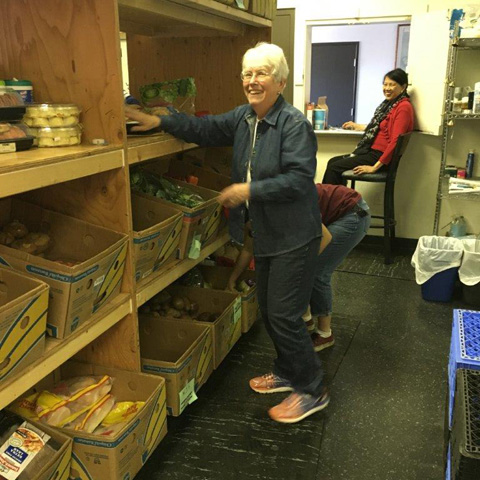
387 176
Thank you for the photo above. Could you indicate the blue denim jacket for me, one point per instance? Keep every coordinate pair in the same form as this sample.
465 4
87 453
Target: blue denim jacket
283 205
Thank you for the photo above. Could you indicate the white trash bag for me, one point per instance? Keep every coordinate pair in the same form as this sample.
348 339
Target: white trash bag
434 255
469 271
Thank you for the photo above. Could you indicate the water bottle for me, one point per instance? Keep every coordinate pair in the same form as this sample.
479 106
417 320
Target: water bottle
469 165
458 227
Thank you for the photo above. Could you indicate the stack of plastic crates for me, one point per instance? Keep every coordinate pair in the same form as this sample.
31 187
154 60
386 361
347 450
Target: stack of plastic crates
465 435
464 349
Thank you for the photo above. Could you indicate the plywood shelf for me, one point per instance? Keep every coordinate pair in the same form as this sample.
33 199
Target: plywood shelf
185 18
42 167
59 351
155 283
145 148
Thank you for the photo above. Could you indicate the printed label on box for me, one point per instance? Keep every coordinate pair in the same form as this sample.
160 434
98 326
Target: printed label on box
237 310
187 395
19 450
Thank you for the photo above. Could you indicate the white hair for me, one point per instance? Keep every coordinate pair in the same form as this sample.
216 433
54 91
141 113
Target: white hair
269 55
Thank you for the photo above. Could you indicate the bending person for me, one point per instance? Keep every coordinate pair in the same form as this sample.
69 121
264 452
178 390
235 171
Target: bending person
273 169
392 117
347 217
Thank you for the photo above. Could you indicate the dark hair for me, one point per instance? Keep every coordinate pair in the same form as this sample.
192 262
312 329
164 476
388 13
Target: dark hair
398 75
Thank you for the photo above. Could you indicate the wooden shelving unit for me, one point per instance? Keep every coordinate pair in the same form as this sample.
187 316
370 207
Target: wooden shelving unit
32 169
72 55
141 149
153 284
59 351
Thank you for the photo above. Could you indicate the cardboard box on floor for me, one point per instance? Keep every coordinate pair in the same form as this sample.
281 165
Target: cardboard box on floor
75 291
181 352
227 328
58 467
23 320
157 229
123 455
217 278
200 224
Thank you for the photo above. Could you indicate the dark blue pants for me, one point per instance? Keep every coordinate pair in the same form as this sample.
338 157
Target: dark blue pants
337 165
284 286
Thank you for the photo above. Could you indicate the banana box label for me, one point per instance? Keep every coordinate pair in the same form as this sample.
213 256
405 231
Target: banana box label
157 425
61 470
205 362
213 220
22 333
154 250
111 280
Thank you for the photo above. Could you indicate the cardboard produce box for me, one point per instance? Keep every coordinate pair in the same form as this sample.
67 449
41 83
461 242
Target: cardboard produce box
58 467
97 256
181 169
200 223
55 461
157 229
23 320
181 352
227 328
120 456
217 278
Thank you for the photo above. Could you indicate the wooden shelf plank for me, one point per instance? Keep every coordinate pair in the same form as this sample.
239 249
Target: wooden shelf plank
151 16
59 351
226 11
141 149
32 169
155 283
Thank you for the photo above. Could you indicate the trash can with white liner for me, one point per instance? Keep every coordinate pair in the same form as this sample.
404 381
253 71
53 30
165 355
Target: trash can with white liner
469 271
436 261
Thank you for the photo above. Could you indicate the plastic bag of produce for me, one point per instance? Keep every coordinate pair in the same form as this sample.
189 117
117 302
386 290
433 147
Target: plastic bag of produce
122 412
179 94
91 419
70 398
150 184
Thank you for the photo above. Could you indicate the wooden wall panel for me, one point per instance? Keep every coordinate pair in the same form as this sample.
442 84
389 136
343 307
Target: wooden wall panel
214 62
71 52
118 347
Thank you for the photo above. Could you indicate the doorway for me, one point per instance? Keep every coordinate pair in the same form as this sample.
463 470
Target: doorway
338 84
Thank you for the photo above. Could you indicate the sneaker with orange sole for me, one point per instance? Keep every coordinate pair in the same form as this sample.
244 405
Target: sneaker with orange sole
298 406
270 383
319 342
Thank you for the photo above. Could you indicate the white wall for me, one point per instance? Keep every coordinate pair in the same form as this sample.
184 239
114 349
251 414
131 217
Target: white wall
376 56
419 170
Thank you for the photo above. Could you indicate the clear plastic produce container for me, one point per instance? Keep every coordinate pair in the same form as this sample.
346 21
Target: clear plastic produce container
57 137
52 115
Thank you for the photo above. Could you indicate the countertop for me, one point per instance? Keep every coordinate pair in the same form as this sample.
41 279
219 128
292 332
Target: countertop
339 131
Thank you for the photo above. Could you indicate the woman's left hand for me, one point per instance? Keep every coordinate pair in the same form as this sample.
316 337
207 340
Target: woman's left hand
234 195
364 169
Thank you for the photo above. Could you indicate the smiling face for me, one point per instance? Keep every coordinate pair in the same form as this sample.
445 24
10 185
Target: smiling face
392 89
260 87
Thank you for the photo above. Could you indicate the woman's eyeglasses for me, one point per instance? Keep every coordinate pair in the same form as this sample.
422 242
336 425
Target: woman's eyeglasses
261 75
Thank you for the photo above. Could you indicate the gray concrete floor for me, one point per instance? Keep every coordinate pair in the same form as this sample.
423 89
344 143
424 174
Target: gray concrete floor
387 375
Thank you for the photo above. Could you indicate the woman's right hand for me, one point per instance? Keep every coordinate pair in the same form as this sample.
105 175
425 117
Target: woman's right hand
353 126
145 121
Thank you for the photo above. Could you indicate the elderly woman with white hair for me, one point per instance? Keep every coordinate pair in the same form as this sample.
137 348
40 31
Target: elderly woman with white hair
273 169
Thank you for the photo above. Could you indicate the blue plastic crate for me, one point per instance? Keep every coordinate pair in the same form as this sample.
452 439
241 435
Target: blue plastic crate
464 348
448 470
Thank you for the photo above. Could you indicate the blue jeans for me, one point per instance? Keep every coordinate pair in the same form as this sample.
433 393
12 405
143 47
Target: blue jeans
346 232
284 286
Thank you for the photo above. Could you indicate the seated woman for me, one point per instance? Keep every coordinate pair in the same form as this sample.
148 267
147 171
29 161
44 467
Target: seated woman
392 117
